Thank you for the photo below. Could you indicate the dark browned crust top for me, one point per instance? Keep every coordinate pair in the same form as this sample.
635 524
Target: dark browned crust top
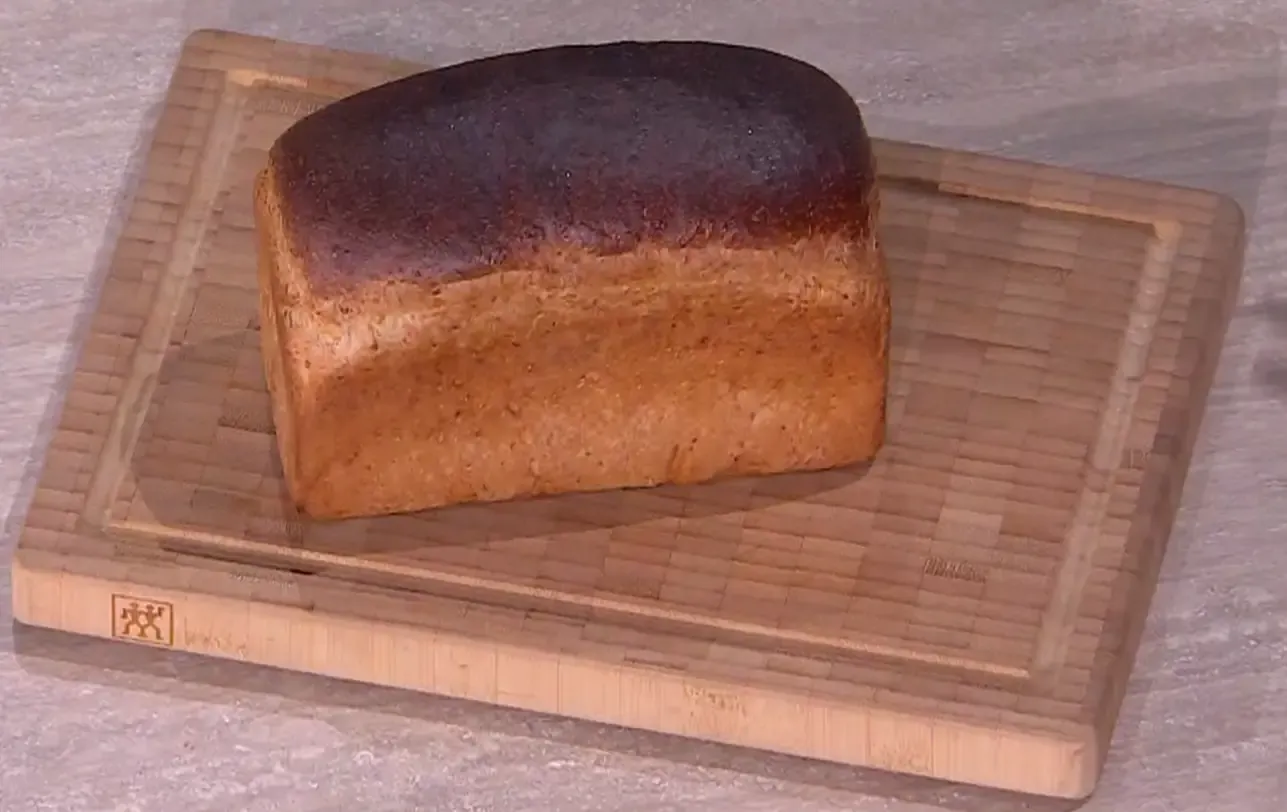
453 171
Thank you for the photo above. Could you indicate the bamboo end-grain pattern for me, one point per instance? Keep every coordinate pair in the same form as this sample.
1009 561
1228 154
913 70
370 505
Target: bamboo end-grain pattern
967 608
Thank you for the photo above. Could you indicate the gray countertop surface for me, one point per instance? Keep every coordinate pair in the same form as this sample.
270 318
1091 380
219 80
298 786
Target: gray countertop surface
1176 90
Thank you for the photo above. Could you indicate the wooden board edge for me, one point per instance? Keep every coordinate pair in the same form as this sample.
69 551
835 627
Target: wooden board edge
237 44
1229 228
418 659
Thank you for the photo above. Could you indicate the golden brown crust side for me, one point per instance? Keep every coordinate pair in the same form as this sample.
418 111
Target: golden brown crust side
574 371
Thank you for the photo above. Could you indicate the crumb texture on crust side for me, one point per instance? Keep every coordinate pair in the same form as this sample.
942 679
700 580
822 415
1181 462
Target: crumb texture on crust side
630 370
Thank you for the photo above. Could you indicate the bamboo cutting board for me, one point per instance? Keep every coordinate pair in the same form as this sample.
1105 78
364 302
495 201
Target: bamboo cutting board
968 608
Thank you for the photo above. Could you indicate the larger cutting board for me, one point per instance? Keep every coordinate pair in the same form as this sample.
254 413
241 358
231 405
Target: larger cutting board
966 609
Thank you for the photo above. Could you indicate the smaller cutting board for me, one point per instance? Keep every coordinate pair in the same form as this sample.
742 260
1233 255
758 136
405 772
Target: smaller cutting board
968 608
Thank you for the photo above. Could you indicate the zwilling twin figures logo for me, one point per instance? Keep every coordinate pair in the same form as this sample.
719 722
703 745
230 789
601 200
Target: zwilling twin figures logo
139 620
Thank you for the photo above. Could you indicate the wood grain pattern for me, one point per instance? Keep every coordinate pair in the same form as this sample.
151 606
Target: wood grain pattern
968 609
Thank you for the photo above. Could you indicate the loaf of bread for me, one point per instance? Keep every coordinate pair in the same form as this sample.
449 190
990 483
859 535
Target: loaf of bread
571 269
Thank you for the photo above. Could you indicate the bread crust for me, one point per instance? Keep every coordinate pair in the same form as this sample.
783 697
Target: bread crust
407 373
453 172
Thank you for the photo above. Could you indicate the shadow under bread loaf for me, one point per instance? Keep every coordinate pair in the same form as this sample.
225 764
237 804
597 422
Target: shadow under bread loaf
570 269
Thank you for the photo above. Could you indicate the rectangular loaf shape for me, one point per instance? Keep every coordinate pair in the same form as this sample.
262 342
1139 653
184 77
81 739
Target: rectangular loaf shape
756 343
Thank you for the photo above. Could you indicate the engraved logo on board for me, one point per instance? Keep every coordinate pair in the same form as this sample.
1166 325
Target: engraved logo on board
140 620
292 106
955 570
1136 459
